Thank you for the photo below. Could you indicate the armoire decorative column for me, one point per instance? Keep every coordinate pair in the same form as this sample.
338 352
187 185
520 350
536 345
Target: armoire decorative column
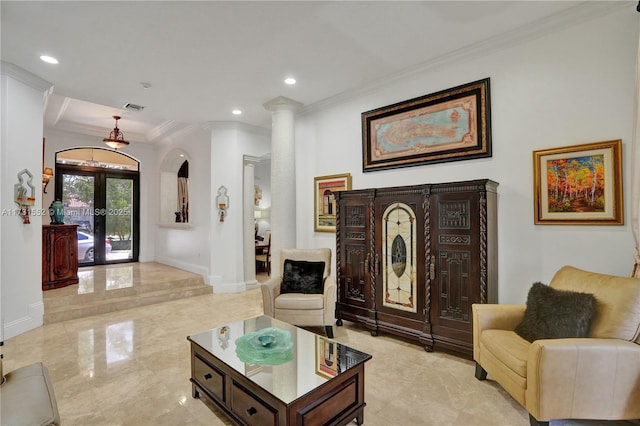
283 177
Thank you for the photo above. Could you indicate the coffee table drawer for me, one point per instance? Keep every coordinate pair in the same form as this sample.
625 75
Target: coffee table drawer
209 378
250 409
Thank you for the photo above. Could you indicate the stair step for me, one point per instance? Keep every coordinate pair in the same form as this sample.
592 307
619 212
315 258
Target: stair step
103 290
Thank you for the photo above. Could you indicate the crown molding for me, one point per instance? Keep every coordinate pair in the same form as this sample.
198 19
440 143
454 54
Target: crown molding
84 129
24 76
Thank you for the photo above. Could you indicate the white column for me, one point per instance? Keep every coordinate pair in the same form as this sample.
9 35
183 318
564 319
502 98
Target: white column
248 226
283 177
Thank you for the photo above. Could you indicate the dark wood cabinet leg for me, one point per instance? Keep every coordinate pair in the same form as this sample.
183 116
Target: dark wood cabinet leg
329 330
534 422
481 373
339 322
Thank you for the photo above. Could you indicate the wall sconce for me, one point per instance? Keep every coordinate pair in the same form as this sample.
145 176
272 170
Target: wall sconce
21 196
222 201
47 174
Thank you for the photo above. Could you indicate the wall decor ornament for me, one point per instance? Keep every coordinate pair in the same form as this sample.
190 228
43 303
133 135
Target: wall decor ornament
579 184
450 125
24 194
324 203
222 202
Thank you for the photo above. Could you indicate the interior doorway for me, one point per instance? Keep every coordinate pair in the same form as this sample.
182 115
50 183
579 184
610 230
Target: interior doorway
99 189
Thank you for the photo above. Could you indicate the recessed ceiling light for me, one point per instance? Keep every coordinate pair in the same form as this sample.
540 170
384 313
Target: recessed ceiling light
49 59
290 80
236 112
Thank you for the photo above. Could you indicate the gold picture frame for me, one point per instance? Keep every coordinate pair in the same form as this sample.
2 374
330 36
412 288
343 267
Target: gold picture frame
579 184
327 364
449 125
324 203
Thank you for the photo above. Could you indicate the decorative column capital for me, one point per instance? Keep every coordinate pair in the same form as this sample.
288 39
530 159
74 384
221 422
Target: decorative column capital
282 103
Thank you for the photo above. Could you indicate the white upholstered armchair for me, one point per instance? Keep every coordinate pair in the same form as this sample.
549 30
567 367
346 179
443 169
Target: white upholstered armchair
295 297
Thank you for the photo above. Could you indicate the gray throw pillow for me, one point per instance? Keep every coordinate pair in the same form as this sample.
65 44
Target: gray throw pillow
556 314
300 276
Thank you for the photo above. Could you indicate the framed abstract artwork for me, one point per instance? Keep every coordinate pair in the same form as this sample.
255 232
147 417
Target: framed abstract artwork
324 205
579 184
327 364
450 125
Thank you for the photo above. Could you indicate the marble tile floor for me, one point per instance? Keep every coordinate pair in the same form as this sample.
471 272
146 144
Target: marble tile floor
132 367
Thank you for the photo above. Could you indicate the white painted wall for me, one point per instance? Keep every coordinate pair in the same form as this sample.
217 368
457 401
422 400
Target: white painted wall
564 87
187 246
22 106
230 142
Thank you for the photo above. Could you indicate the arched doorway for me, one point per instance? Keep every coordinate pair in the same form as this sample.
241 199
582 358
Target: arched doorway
100 192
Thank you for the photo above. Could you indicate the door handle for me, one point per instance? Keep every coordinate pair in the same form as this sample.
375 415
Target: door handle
251 411
208 376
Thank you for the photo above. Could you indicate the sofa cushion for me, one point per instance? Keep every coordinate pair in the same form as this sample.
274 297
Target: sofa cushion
299 301
508 347
618 313
556 314
28 397
301 276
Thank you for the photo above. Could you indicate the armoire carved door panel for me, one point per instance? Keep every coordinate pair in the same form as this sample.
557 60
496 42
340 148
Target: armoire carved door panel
353 256
459 270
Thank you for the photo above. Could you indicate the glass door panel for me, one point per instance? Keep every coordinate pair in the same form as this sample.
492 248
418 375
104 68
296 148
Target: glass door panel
78 193
119 219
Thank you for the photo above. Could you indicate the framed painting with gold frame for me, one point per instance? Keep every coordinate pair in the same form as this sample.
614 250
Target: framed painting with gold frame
579 184
449 125
326 357
324 203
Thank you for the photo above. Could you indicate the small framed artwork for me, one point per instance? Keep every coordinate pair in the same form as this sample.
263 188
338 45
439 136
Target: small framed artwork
450 125
324 205
326 357
579 184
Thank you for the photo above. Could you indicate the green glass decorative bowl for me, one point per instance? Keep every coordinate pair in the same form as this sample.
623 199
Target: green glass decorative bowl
269 346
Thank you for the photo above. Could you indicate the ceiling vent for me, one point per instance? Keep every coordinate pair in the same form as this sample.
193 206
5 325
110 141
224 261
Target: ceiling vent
133 107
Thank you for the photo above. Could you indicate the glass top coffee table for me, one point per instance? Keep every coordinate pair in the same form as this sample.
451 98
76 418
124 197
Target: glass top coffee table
261 371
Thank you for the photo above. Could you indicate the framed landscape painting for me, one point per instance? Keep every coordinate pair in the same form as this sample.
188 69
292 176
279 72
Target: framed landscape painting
450 125
324 204
579 184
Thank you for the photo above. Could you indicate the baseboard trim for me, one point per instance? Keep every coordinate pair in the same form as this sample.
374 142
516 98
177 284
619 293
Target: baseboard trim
196 269
220 287
34 319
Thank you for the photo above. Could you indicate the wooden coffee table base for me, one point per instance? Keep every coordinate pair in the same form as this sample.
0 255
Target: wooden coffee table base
336 402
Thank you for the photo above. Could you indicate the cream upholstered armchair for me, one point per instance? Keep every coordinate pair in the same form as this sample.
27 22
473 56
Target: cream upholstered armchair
592 377
304 293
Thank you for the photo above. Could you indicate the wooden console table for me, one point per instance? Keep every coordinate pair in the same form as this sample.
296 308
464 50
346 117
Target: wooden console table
59 256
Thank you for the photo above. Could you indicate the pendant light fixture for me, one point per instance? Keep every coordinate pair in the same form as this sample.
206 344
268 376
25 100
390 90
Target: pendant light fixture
116 137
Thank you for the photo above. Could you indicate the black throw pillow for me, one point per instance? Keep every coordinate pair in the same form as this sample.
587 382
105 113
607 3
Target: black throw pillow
300 276
556 314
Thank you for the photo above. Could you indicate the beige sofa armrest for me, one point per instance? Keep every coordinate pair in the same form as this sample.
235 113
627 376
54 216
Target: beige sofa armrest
488 316
270 290
583 378
330 297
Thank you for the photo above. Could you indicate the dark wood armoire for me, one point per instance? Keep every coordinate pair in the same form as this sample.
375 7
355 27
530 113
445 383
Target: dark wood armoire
411 260
59 256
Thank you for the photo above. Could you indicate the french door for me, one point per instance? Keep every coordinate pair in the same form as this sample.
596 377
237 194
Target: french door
104 205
